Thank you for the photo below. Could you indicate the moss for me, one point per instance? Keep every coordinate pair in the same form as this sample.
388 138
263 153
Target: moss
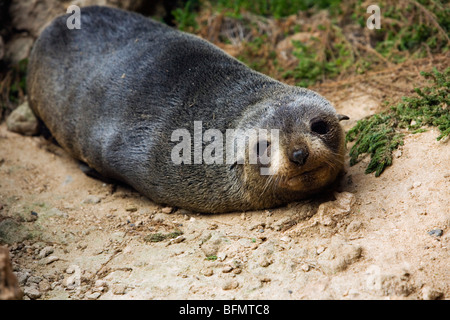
185 17
158 237
380 134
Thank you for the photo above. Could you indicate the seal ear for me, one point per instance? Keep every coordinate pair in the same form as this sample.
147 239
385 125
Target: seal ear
342 117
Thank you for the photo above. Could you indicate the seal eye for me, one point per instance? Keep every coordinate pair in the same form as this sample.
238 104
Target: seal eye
319 127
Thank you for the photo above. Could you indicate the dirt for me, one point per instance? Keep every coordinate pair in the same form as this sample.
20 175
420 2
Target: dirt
74 237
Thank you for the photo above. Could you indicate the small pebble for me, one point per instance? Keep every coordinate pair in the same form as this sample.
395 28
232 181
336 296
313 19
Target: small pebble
45 252
237 270
436 232
44 286
101 283
167 210
32 292
430 294
34 279
320 250
221 256
178 239
119 289
93 296
265 262
91 199
227 269
230 284
51 259
22 277
305 267
208 272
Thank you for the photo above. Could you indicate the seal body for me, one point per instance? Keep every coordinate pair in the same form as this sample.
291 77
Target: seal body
113 92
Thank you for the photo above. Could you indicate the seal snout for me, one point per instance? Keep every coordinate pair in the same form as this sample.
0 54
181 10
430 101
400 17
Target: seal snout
299 156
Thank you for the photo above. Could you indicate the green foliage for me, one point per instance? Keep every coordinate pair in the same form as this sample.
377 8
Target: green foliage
380 134
311 68
185 17
414 28
276 8
13 85
409 29
158 237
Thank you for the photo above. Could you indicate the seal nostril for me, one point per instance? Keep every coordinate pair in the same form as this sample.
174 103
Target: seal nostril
299 156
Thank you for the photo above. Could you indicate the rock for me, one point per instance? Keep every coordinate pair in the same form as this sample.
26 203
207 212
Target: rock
212 245
338 256
393 283
354 226
430 293
237 270
101 283
18 49
22 277
22 120
45 252
34 279
32 292
9 286
264 261
167 210
51 259
230 284
245 242
305 267
221 256
436 232
119 289
331 212
417 184
177 240
227 269
91 199
34 15
208 272
159 217
397 153
44 286
93 295
117 236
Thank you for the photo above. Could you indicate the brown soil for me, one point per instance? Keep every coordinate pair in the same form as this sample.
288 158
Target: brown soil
71 236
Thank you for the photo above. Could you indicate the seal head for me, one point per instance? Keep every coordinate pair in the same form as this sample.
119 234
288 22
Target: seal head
310 149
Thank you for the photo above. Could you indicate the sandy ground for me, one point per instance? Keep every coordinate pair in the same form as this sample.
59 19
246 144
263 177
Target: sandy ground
74 237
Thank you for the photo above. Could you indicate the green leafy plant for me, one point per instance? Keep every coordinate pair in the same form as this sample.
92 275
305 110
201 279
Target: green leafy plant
158 237
185 17
379 135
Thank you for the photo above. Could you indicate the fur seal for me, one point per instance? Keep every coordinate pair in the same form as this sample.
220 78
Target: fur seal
113 92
